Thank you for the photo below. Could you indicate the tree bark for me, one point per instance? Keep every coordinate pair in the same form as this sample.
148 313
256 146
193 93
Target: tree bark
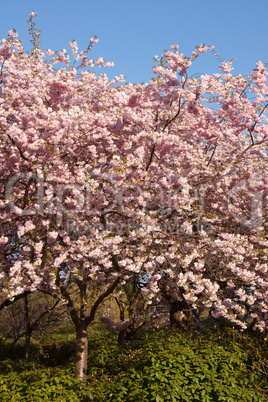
81 352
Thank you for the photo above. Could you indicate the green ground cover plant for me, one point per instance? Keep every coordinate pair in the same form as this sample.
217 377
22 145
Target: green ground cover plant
160 366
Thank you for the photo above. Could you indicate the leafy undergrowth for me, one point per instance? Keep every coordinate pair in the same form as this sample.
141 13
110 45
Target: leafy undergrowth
223 366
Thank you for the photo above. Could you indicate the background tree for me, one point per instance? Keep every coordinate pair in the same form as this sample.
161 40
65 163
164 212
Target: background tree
36 312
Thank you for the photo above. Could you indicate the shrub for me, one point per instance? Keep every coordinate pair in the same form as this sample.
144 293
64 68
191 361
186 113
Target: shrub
33 382
176 367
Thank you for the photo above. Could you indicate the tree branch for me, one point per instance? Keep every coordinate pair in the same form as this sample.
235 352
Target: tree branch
68 300
8 302
151 158
18 148
100 299
176 115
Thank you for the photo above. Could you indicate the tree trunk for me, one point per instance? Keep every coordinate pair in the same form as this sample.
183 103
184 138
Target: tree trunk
121 309
180 315
81 352
27 347
127 334
180 312
28 330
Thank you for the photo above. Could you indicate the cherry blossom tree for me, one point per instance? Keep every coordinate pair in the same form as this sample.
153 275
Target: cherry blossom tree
101 182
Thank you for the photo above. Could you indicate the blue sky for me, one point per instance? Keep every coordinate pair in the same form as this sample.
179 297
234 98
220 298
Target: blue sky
131 33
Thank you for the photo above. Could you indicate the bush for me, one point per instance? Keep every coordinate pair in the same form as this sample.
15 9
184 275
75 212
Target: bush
176 367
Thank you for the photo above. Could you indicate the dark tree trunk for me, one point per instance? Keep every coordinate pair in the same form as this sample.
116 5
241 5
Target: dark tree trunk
28 329
180 312
127 334
81 352
27 347
121 309
177 321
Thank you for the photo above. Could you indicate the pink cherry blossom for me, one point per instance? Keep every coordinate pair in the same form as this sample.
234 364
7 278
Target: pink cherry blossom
51 237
